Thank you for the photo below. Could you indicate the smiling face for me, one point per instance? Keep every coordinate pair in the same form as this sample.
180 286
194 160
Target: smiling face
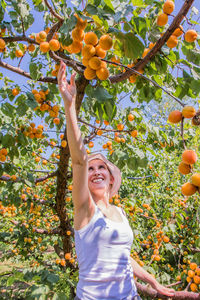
99 177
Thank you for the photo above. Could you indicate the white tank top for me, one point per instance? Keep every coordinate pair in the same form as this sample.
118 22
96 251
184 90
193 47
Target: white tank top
103 251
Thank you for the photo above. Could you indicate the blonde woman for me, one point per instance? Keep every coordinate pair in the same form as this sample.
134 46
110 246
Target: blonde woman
103 237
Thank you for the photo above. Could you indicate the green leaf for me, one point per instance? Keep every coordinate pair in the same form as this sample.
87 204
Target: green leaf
68 24
91 9
34 71
132 46
53 278
59 296
138 3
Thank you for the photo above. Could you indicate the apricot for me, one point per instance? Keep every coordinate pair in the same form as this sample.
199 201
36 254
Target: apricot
15 92
191 36
95 63
162 19
80 23
31 48
88 51
91 38
100 52
89 73
2 44
178 31
4 151
196 179
56 121
146 51
54 45
194 287
134 133
102 73
91 144
120 126
44 47
188 112
64 143
85 61
105 42
76 46
184 168
175 117
168 7
131 117
133 78
189 157
78 34
18 53
193 266
188 189
42 35
172 41
151 45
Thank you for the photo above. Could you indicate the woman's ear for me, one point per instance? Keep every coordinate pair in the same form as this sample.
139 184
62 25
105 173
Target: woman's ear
111 179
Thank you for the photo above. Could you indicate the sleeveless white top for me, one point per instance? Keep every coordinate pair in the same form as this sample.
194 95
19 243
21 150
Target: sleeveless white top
103 251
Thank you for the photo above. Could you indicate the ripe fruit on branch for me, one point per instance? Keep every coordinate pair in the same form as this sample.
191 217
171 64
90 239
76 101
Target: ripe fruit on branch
134 133
162 19
184 168
80 23
105 42
188 112
91 38
172 41
54 45
102 73
188 189
2 44
76 47
15 92
175 116
131 117
19 53
89 73
44 47
133 78
100 52
88 51
178 31
168 7
78 34
42 35
196 179
191 36
95 63
189 157
146 51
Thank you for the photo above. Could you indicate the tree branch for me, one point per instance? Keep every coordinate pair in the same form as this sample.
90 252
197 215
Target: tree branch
25 74
52 11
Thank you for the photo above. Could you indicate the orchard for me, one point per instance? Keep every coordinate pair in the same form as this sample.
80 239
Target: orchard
138 84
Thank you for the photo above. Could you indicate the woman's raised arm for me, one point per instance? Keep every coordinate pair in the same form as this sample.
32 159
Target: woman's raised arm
68 92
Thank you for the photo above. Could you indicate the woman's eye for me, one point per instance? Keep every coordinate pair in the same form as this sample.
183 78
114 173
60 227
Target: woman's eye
90 169
102 167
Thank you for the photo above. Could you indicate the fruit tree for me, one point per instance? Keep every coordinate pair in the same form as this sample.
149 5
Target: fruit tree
138 83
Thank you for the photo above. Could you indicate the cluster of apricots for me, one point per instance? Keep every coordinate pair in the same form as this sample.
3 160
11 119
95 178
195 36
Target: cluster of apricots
93 52
77 36
3 154
192 273
176 116
33 132
53 44
9 210
189 157
190 36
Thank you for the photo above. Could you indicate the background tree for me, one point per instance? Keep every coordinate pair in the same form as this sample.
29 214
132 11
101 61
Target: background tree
136 62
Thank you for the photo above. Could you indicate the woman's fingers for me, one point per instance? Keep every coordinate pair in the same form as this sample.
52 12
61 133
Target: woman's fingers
72 79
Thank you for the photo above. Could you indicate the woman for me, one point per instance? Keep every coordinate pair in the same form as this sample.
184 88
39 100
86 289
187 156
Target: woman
103 237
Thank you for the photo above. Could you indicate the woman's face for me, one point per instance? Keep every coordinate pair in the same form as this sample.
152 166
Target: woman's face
99 177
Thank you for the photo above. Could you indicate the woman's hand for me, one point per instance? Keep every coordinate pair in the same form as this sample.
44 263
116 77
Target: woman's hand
68 91
161 289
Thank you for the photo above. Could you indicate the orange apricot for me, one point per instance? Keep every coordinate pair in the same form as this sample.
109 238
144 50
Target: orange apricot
100 52
175 117
78 34
95 63
88 51
162 19
146 51
102 73
131 117
105 42
188 112
44 47
54 45
31 48
42 35
193 266
76 46
90 144
188 189
91 38
189 157
191 36
178 31
194 287
184 168
120 126
18 53
172 41
168 7
196 179
89 73
85 61
80 23
133 78
15 92
64 143
134 133
2 44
